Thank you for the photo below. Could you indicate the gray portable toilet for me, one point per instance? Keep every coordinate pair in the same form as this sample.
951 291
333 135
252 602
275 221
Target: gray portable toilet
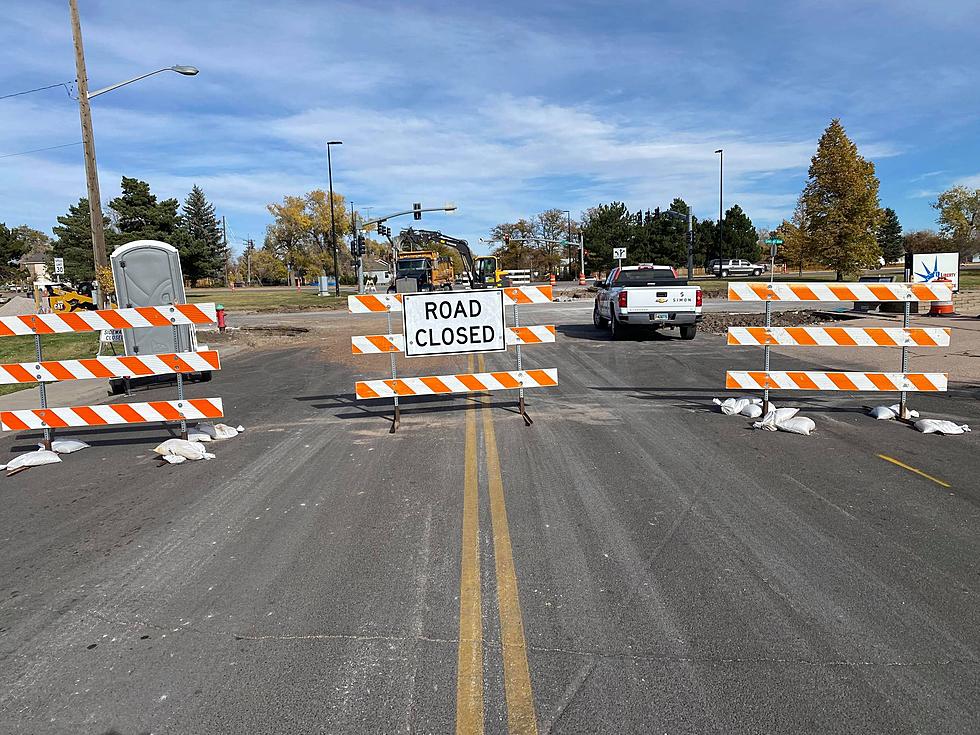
147 273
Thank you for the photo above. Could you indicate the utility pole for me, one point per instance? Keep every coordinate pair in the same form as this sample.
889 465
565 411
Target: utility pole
721 215
99 256
248 260
333 227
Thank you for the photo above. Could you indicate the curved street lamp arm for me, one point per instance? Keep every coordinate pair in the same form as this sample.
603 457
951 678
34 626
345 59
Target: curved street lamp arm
110 88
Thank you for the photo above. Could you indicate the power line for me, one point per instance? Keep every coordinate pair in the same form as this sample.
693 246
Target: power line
39 89
38 150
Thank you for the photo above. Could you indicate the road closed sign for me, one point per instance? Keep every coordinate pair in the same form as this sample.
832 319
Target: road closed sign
453 323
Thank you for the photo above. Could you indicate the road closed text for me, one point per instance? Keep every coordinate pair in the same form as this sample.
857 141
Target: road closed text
453 323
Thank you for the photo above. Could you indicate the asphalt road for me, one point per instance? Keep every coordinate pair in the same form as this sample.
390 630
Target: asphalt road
631 563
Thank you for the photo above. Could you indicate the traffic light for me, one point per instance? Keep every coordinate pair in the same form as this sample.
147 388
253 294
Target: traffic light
361 245
418 210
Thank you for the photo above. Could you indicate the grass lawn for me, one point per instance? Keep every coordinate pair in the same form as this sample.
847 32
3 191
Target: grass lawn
72 346
267 299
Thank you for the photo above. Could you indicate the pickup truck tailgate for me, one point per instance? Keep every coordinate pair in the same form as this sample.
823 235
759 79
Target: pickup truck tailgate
660 298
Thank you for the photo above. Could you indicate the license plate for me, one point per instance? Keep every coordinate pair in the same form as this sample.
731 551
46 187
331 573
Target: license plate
661 317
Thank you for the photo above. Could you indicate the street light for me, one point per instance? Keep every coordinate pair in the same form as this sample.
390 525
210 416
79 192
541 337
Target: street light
99 255
187 71
333 227
721 180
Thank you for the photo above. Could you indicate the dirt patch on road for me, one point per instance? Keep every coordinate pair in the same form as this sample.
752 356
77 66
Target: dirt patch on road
718 323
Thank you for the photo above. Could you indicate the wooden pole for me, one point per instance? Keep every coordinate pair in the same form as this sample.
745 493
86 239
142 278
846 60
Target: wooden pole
100 258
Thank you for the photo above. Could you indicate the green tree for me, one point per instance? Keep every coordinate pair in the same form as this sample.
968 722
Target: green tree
926 241
15 243
202 251
741 239
890 236
959 218
840 200
73 242
267 269
139 216
605 227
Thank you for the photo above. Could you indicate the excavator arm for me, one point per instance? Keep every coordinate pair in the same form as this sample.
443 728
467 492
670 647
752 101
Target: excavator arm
423 237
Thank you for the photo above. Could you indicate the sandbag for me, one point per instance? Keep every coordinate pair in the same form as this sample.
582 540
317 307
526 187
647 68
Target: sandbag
940 426
31 459
182 448
752 411
731 406
65 446
197 436
884 413
218 431
797 425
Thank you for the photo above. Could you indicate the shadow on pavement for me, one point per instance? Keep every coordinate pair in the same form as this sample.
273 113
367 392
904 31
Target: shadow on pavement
633 334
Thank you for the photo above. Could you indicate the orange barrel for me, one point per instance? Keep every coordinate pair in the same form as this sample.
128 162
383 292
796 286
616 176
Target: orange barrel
581 279
552 279
941 308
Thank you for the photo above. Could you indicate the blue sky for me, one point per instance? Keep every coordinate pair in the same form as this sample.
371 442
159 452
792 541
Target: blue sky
504 108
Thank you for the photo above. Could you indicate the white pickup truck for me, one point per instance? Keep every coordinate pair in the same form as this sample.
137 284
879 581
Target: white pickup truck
647 295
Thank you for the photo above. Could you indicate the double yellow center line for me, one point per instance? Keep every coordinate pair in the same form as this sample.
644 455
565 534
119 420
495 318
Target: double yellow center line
521 717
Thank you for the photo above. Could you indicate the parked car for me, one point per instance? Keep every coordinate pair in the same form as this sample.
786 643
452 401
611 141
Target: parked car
728 267
648 296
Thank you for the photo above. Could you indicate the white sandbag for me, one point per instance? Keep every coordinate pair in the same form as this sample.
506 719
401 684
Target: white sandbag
196 436
940 426
731 406
797 425
218 431
31 459
173 458
776 416
882 413
182 448
65 446
752 411
885 413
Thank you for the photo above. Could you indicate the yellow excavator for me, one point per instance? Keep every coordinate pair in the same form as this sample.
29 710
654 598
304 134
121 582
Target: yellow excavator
63 298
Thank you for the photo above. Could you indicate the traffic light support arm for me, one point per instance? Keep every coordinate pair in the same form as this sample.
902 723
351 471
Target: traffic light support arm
366 225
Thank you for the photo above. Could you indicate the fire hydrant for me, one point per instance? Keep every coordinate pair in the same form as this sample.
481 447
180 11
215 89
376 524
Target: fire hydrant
220 310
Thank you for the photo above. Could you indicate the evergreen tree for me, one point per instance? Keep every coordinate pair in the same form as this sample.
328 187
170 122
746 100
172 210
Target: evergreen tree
202 253
841 205
605 227
139 216
74 242
741 239
890 237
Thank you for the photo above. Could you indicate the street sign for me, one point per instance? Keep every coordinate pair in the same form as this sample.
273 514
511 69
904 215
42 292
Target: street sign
930 267
773 243
619 253
453 323
110 336
59 266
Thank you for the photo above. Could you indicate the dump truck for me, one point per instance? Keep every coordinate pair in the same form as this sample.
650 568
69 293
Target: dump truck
423 270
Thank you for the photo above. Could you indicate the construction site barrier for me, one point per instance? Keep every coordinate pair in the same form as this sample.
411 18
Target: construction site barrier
519 277
381 343
43 371
394 343
109 367
904 337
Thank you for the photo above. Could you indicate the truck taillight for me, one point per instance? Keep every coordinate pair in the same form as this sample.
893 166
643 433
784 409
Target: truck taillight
622 299
698 298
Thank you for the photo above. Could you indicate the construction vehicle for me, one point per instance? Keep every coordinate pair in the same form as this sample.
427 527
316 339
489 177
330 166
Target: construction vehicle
481 272
423 270
62 298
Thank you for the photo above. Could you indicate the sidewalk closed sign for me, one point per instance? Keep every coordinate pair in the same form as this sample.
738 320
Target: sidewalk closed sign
453 323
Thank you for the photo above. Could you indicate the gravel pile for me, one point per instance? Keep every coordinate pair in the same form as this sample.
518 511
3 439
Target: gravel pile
715 323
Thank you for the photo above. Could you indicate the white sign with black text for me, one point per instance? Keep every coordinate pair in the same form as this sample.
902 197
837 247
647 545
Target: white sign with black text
619 253
453 323
59 266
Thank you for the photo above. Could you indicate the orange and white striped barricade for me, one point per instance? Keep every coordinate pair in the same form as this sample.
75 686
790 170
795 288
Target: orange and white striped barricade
454 316
43 371
903 337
